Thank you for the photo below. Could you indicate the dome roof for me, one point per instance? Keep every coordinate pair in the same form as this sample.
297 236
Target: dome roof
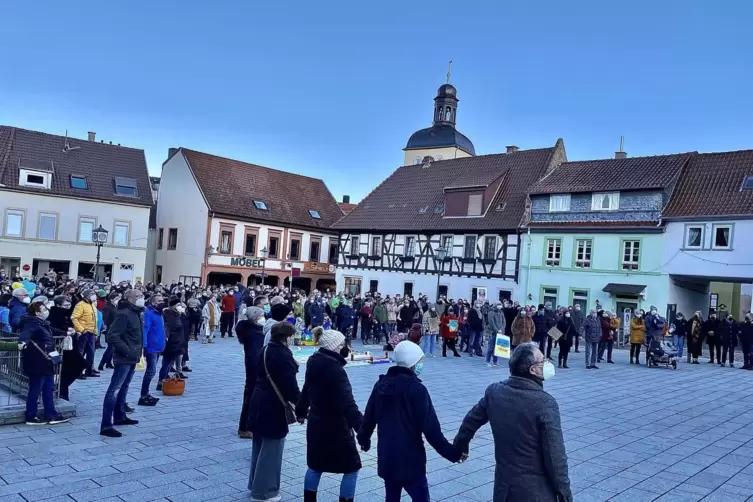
438 136
447 90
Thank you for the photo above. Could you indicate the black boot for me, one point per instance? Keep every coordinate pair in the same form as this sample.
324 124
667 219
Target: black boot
343 499
309 496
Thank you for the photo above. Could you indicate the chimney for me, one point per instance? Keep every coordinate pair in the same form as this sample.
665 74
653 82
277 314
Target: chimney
92 136
512 148
622 154
171 152
346 199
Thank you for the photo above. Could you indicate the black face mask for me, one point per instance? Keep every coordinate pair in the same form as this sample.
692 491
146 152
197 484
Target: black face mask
345 351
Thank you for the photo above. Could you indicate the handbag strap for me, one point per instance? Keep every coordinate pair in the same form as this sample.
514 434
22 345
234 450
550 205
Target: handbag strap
272 382
45 354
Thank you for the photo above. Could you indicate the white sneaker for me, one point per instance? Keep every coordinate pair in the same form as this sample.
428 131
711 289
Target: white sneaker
488 365
273 499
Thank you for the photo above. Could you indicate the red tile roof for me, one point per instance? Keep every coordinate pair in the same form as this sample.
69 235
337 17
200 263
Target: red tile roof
231 187
711 185
396 203
631 173
100 163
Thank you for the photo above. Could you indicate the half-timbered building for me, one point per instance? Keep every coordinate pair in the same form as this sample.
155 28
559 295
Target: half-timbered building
469 208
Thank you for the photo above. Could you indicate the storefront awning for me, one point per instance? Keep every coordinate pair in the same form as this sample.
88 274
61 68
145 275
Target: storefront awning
614 288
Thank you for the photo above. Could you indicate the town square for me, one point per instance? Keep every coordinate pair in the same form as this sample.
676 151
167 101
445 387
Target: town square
408 251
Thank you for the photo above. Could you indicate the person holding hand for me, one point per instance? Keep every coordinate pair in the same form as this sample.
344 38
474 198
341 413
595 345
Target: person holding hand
401 408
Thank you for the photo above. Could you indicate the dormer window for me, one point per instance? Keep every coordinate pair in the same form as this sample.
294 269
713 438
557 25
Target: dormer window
559 203
748 183
126 187
315 214
605 201
261 205
475 202
34 179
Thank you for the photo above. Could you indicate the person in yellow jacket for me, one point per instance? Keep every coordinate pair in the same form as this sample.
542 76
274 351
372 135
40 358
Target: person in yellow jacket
84 319
637 336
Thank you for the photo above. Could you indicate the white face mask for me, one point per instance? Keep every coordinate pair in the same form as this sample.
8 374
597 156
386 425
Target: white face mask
44 314
179 309
567 314
548 370
26 300
260 321
93 298
140 302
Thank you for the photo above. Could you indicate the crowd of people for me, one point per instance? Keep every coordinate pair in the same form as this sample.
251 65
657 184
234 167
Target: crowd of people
140 323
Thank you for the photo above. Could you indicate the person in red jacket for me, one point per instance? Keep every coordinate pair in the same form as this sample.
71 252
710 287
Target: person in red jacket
448 330
227 315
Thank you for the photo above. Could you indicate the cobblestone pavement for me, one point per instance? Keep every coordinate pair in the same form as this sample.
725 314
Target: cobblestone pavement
633 434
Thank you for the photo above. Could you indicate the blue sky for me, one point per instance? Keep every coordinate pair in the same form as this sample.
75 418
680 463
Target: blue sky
334 89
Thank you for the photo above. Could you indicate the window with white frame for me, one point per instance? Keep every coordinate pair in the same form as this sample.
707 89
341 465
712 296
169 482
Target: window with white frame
120 236
605 201
722 236
553 252
34 179
583 249
376 246
631 255
86 228
694 236
14 223
48 224
447 244
355 242
490 247
559 203
410 246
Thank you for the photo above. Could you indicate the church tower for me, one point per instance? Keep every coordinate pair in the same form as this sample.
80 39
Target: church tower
441 141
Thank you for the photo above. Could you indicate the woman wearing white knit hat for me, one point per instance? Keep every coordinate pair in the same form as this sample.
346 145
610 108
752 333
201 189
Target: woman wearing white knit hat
401 407
328 404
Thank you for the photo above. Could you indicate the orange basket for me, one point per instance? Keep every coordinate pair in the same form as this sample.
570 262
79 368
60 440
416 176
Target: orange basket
173 386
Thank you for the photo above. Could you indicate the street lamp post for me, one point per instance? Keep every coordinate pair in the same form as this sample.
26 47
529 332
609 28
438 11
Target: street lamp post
263 255
439 255
99 237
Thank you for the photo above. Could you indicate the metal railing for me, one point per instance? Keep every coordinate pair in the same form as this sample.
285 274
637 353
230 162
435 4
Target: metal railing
14 384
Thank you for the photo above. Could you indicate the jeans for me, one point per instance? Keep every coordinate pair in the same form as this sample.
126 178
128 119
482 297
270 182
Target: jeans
266 467
427 343
115 397
591 353
151 370
347 485
87 343
46 386
167 363
490 349
474 344
679 342
608 345
107 356
417 490
635 351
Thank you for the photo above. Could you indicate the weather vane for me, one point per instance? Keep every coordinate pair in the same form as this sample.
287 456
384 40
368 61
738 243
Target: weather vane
449 70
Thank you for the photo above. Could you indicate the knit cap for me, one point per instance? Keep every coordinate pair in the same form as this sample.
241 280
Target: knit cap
18 292
407 354
279 311
331 339
254 313
174 300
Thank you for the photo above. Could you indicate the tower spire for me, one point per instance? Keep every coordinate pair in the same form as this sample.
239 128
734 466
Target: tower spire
449 70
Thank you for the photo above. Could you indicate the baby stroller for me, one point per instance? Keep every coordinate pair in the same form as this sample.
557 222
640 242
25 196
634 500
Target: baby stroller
661 351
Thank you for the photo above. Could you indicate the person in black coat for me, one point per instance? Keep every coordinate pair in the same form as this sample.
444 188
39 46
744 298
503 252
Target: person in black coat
401 407
328 404
250 333
710 332
567 328
73 361
746 341
174 333
728 330
38 346
108 317
267 417
126 335
316 313
405 317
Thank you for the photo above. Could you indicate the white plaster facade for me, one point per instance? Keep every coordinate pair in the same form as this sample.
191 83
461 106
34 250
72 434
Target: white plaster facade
71 242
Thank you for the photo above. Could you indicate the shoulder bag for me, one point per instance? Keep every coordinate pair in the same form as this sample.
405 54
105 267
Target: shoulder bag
54 357
288 407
